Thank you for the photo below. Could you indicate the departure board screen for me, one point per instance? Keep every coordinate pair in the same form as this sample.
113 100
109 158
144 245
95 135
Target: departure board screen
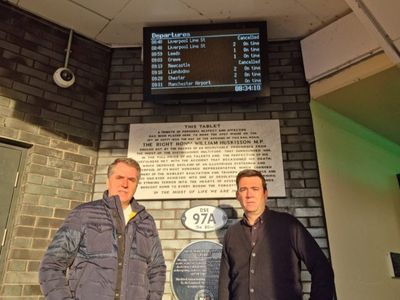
197 61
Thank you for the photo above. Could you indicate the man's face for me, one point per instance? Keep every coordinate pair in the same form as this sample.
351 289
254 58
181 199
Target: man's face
251 195
123 182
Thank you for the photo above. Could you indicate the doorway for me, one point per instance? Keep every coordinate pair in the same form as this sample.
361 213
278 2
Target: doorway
12 160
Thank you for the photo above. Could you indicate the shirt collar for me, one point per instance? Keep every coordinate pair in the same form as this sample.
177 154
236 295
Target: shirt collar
261 219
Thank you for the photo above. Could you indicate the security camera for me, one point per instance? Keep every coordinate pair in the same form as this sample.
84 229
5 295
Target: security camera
64 77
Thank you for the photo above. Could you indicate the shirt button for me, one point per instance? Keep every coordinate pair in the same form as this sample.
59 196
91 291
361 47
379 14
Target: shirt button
251 290
116 294
255 227
119 236
252 271
253 254
120 264
253 243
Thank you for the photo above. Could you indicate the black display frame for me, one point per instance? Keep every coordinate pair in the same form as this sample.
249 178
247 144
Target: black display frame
190 93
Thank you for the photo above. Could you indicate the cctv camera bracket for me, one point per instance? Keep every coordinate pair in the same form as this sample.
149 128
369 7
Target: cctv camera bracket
68 49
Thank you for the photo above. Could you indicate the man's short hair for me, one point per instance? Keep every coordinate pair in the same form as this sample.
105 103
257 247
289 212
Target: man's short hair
123 160
250 173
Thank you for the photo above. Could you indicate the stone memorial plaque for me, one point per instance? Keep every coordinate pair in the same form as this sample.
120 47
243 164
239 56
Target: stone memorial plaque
195 271
202 159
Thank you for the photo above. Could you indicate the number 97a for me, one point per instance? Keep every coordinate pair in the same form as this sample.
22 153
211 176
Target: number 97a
204 218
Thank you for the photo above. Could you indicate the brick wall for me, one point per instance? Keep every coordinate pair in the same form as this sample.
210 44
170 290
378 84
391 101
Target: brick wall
289 102
60 127
66 162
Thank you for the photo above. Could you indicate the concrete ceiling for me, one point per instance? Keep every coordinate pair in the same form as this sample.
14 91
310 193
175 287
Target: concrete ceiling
120 22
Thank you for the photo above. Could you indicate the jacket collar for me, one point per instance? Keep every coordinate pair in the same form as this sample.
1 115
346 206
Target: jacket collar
113 202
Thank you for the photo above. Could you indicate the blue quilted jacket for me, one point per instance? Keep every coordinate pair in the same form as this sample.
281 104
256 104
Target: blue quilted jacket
95 256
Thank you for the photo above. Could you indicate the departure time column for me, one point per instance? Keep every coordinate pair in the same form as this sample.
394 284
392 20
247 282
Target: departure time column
156 63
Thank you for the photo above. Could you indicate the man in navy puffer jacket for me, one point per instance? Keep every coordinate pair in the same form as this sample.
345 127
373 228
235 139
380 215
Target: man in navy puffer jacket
106 249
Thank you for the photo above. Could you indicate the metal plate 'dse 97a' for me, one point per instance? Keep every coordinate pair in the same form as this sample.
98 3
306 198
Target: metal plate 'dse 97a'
204 218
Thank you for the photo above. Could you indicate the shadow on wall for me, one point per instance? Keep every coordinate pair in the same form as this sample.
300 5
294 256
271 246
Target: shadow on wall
232 215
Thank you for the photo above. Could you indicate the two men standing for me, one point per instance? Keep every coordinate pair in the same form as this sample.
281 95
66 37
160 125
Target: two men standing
111 249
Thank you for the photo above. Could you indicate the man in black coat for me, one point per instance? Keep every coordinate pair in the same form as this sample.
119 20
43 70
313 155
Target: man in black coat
262 254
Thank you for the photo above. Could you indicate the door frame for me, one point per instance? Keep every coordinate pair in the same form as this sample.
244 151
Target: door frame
24 148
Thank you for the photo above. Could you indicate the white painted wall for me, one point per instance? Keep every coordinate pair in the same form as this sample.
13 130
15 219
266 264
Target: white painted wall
362 204
336 46
381 18
372 26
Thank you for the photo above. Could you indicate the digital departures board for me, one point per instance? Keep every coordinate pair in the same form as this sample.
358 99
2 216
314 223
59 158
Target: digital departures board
221 61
